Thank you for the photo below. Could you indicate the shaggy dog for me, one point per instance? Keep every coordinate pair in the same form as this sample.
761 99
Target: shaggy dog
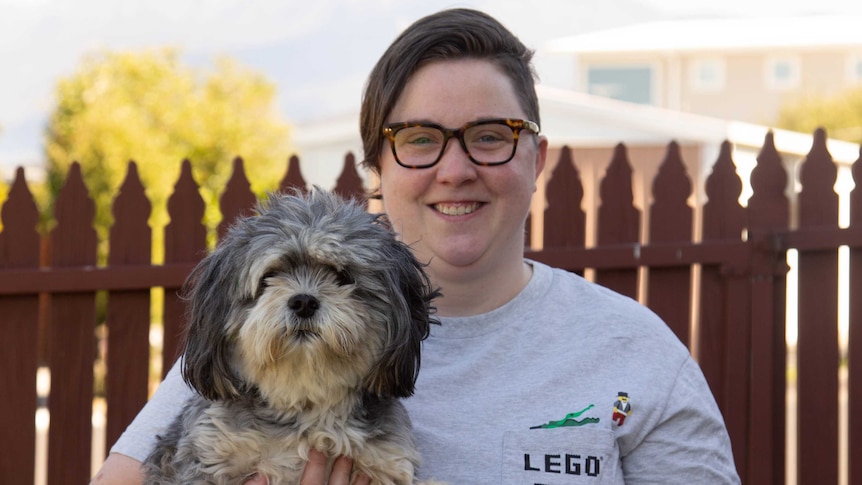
305 326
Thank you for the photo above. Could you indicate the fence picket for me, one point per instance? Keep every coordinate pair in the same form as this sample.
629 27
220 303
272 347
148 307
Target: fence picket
723 335
128 311
618 221
565 221
724 217
668 288
185 243
237 200
768 207
768 210
349 183
293 179
71 338
817 349
854 351
19 248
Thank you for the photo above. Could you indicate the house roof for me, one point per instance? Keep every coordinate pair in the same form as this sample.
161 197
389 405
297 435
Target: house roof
721 34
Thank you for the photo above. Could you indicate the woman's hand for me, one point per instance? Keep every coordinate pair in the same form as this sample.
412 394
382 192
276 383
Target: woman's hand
315 472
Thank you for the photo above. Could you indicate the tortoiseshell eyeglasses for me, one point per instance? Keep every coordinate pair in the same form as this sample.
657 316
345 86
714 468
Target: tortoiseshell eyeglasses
486 142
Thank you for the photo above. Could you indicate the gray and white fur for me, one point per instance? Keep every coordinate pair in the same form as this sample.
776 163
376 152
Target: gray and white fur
305 327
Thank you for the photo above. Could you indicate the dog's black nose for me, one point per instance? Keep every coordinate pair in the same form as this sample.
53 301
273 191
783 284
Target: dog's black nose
303 305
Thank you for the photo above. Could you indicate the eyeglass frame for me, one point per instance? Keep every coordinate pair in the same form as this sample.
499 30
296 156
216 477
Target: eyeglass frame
390 129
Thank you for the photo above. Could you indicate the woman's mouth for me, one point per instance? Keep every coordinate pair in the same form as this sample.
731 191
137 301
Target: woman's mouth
456 209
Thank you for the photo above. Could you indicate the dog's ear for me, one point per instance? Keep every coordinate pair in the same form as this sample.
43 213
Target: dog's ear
211 296
410 295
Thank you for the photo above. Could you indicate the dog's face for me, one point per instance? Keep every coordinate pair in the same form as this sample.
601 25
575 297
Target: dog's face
311 298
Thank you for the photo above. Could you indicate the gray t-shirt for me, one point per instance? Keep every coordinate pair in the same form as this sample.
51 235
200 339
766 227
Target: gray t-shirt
567 383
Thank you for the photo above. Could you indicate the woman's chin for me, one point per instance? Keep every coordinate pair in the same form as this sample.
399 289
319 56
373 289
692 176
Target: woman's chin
460 257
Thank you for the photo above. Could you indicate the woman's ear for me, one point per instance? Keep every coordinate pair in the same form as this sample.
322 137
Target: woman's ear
541 154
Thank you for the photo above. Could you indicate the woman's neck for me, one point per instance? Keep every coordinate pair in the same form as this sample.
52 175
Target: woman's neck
472 291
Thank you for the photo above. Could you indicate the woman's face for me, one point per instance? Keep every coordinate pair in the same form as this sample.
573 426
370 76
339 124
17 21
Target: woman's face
458 215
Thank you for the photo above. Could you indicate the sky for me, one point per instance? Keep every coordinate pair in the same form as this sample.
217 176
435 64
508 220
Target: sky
316 52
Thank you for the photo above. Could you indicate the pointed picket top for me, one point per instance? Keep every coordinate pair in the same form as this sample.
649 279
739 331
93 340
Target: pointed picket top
19 239
74 237
856 195
617 183
672 184
768 207
293 179
185 234
618 218
724 217
769 177
670 214
565 221
237 200
131 237
132 199
818 201
349 183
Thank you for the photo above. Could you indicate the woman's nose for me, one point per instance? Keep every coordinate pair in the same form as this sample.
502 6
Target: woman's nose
455 166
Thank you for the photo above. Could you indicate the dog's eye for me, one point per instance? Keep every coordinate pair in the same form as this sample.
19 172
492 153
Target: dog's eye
344 278
264 280
263 284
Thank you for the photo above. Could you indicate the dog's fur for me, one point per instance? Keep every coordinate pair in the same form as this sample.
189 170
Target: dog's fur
305 326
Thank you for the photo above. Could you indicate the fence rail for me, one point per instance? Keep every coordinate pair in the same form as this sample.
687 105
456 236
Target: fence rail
723 291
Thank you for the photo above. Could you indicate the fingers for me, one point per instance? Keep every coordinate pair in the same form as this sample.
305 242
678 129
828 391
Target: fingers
362 480
341 471
315 471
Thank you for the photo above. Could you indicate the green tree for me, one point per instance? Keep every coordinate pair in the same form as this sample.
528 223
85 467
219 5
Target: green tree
839 114
149 107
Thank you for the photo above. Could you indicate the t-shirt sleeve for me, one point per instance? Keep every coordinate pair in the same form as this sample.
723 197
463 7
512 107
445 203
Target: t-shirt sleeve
139 438
689 443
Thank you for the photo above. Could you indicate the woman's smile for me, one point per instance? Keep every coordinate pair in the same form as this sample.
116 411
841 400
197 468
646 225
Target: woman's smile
456 208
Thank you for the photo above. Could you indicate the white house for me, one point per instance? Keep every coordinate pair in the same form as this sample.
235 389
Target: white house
734 68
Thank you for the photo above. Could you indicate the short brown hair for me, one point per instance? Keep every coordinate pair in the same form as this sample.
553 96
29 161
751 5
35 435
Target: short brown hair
446 35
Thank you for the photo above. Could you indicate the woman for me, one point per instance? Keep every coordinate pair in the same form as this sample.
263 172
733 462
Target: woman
520 380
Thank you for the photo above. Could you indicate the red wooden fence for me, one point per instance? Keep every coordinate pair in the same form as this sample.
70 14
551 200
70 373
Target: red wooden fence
723 293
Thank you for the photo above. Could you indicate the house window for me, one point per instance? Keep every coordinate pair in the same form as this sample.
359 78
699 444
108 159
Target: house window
782 73
625 83
707 75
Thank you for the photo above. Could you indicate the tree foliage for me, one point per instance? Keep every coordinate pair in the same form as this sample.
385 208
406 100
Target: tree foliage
839 114
149 107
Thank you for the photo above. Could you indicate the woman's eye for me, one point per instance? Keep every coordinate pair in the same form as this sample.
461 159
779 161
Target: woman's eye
420 140
488 138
